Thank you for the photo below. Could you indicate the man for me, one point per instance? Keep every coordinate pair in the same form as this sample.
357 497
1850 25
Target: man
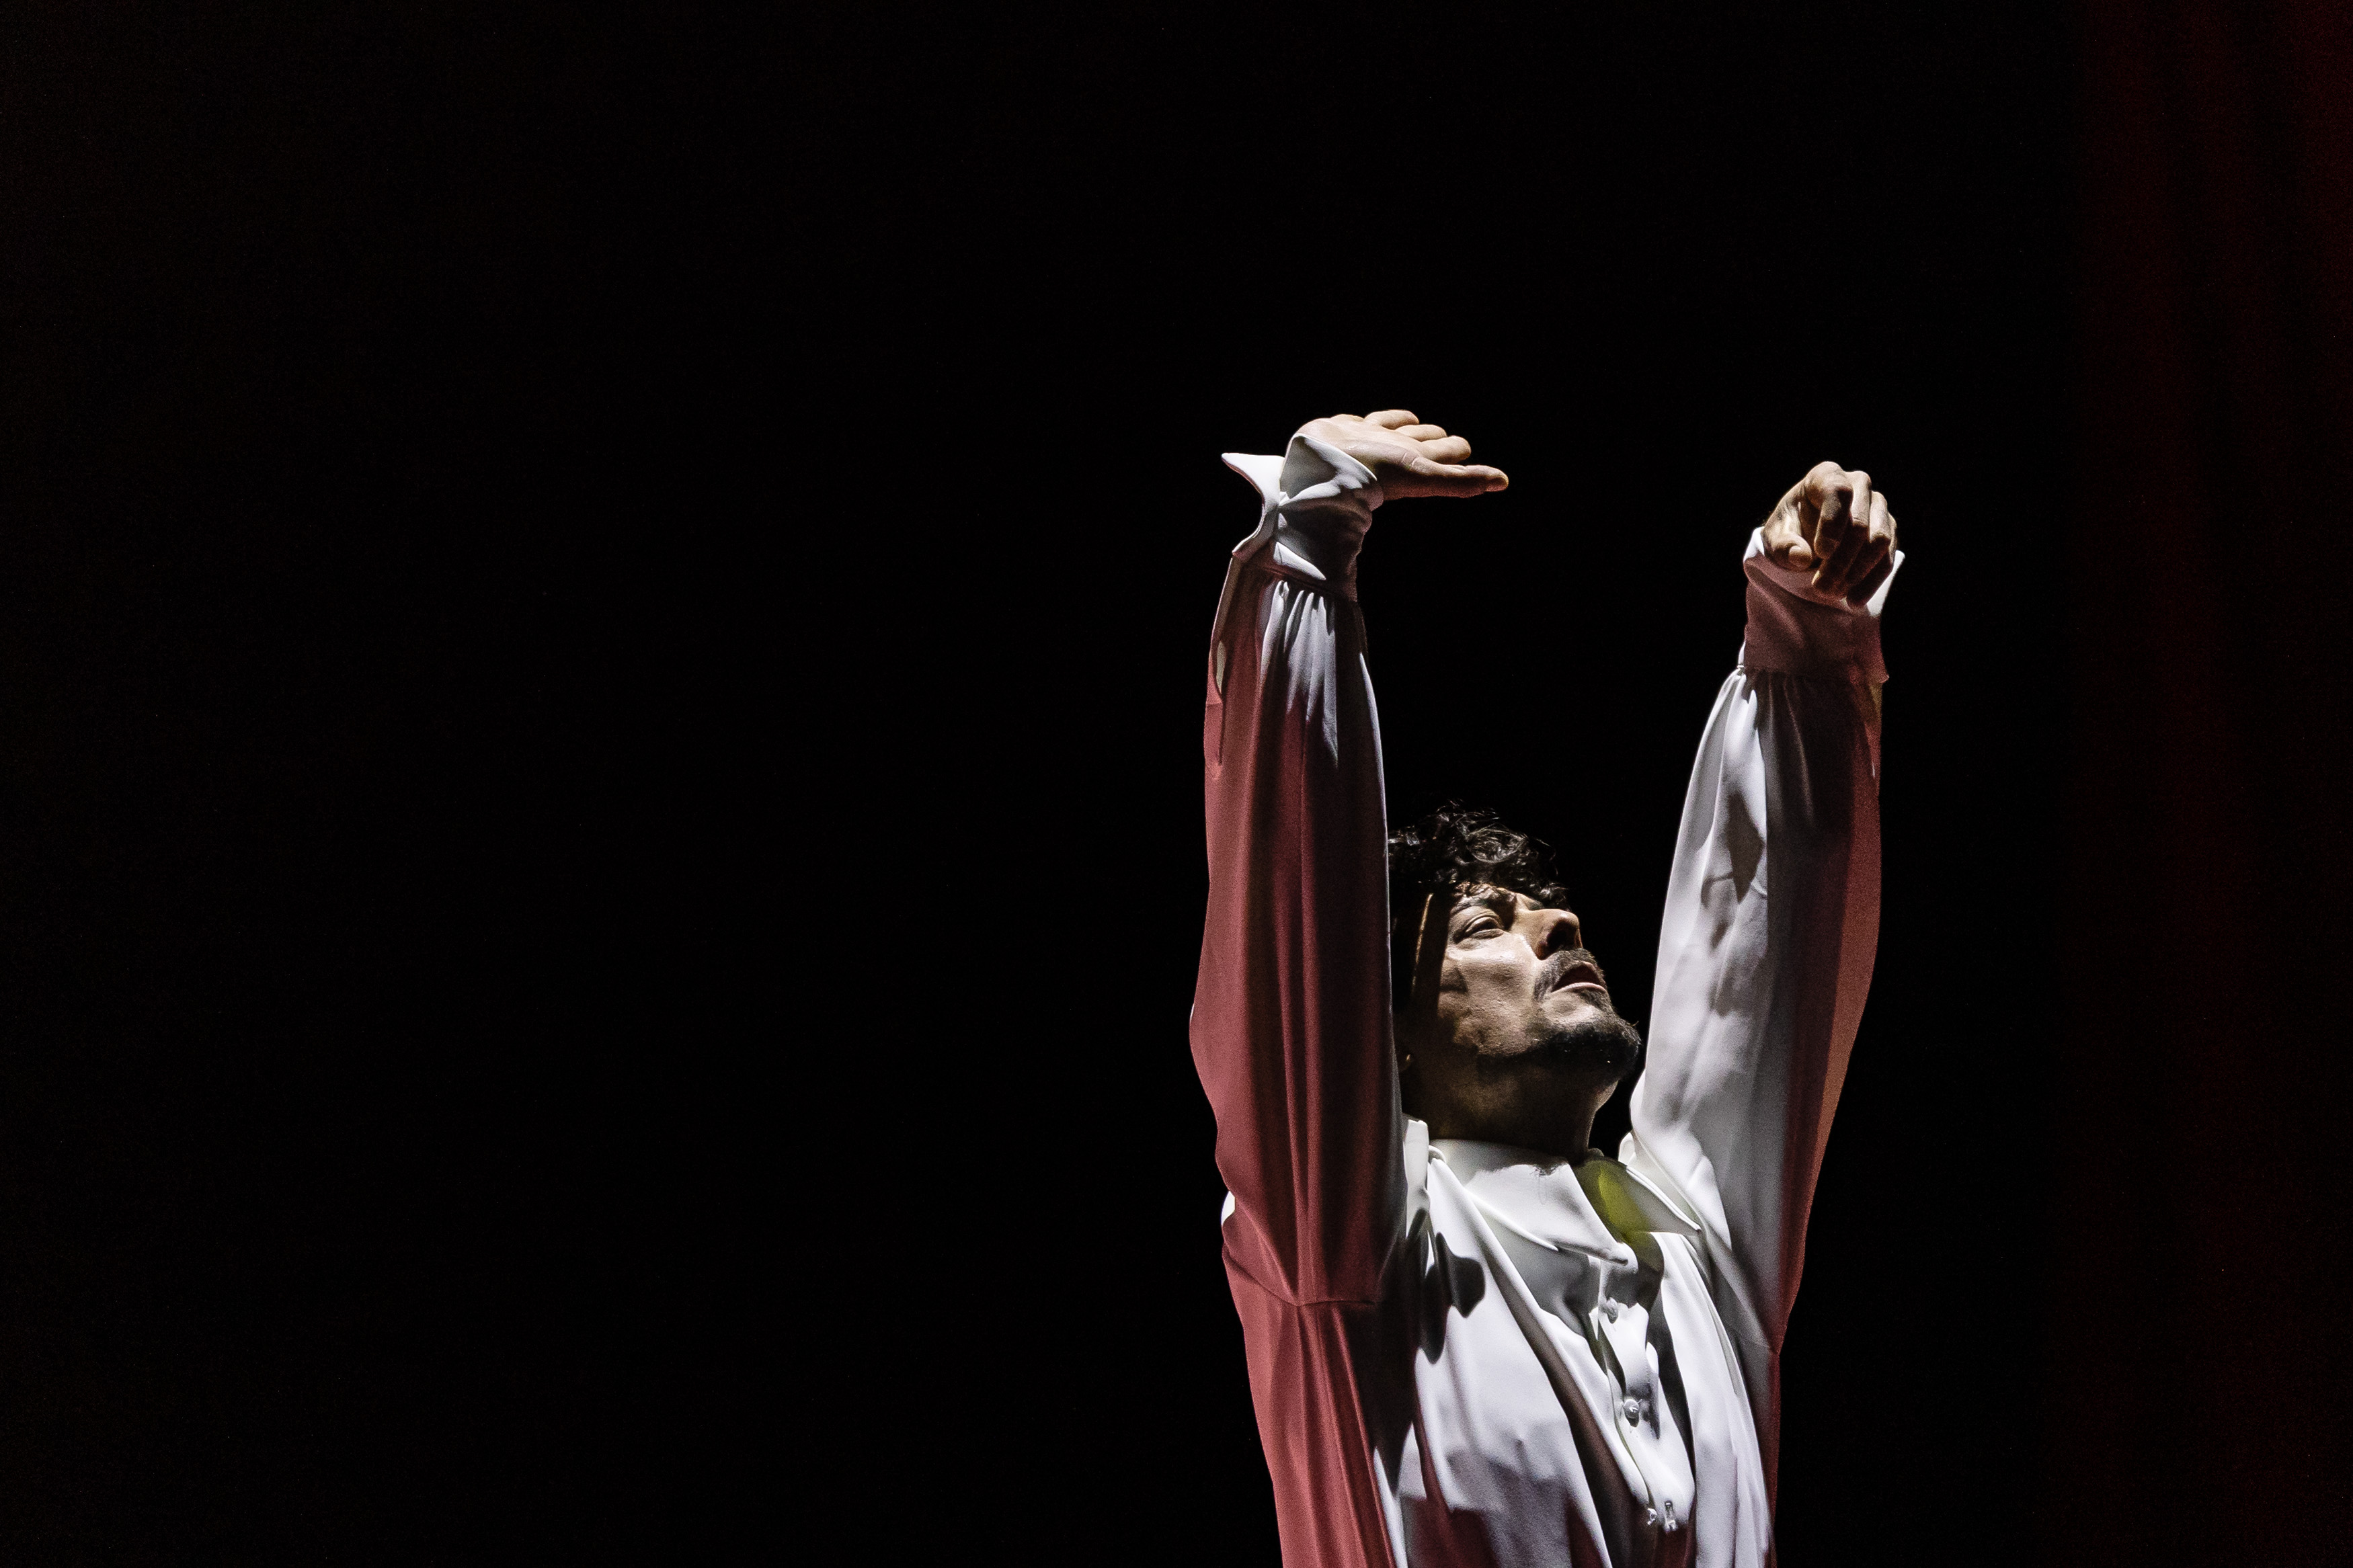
1473 1340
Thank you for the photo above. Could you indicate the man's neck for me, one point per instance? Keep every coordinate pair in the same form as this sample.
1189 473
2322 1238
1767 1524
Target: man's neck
1563 1131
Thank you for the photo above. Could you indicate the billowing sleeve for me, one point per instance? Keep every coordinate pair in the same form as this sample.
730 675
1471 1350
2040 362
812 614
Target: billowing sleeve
1291 1012
1765 954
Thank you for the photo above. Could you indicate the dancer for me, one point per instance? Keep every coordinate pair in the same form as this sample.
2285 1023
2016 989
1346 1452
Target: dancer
1472 1339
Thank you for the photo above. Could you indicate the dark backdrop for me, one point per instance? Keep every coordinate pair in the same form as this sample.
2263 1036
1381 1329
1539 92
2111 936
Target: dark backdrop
1656 263
377 961
418 1142
2200 1349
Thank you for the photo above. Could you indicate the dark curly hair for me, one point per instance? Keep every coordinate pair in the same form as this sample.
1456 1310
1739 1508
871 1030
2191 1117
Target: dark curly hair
1454 845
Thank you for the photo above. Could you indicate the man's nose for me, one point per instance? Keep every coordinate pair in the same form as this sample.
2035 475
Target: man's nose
1560 932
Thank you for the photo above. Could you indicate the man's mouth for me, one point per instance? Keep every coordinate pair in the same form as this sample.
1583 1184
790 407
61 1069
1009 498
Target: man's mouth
1577 973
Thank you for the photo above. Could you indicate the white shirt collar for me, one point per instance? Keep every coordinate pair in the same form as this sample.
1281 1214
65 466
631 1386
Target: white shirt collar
1533 1194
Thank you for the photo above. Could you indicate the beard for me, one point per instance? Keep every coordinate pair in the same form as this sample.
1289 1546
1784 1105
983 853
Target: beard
1596 1041
1600 1043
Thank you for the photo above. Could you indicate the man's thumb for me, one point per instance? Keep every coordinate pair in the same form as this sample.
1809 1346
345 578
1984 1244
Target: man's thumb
1785 544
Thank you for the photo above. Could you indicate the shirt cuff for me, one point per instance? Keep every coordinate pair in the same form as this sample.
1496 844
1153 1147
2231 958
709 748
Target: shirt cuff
1795 628
1316 503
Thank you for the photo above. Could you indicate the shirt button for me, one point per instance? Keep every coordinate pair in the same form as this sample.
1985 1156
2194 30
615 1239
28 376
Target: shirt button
1633 1408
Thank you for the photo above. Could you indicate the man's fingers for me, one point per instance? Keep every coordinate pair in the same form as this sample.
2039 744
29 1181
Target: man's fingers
1842 526
1857 542
1412 458
1449 480
1785 534
1868 542
1877 558
1844 562
1829 493
1836 525
1828 531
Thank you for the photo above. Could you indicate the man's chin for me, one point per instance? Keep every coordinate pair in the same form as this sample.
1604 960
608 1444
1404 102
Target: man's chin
1573 1003
1596 1040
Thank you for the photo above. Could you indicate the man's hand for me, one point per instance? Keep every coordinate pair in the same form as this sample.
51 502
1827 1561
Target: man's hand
1408 457
1833 523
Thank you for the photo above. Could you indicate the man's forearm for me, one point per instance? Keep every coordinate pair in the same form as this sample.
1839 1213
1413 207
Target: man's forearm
1291 1012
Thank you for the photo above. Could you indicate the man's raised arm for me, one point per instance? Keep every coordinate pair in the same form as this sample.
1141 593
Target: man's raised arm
1772 913
1290 1013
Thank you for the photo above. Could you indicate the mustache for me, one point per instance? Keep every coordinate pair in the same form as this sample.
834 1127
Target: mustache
1554 970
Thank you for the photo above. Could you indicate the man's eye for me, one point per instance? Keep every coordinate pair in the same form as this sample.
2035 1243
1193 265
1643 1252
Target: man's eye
1486 925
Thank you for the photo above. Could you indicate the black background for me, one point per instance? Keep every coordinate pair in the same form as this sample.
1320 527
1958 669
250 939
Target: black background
377 949
600 634
1655 264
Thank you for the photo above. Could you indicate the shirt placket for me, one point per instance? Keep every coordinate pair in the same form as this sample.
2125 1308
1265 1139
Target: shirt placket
1621 1330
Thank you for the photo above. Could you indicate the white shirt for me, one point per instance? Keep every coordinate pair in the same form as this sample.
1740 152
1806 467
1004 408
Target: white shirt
1463 1353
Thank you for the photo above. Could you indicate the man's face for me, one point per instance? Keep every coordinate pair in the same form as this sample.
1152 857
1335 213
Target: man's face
1521 1026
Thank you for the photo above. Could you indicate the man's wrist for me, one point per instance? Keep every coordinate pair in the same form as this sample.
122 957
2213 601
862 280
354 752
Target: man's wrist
1323 512
1797 628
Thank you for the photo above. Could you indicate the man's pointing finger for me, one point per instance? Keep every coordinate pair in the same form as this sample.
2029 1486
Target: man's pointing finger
1842 563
